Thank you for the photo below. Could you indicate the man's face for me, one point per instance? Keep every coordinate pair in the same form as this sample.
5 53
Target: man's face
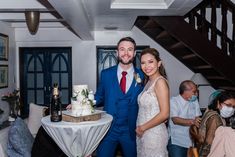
191 90
126 52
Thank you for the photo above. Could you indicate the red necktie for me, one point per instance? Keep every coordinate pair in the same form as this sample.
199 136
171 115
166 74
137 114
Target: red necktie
123 82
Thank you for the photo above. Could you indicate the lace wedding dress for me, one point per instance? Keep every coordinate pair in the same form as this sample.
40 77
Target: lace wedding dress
154 141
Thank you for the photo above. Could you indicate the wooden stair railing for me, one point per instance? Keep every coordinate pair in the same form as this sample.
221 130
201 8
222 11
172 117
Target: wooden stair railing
208 27
191 48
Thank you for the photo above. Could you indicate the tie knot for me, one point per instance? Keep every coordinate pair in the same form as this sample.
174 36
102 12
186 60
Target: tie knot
124 73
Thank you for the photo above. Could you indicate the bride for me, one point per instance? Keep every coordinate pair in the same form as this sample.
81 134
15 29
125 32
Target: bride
154 107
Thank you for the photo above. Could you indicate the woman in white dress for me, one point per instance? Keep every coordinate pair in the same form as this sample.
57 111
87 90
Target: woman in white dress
154 102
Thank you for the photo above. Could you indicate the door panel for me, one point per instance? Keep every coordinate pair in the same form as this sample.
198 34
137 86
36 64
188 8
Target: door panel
40 69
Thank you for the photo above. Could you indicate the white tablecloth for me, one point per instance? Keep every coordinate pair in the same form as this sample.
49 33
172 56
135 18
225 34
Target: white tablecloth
77 139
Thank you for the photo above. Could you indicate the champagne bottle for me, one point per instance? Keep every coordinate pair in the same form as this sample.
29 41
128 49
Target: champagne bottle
56 111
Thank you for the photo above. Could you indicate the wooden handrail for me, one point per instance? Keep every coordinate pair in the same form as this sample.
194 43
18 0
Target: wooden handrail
203 25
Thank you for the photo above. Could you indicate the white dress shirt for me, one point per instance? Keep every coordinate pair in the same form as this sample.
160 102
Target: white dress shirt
129 76
179 107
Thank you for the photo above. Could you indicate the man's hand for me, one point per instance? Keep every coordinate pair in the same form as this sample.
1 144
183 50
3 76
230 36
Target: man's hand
197 121
69 107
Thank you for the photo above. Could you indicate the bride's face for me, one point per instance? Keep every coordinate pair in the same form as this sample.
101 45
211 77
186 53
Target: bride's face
149 64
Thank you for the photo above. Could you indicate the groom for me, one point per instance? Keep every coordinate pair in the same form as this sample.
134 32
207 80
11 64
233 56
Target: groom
118 90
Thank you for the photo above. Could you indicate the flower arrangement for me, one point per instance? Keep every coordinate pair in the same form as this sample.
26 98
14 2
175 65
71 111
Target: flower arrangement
86 97
13 100
11 96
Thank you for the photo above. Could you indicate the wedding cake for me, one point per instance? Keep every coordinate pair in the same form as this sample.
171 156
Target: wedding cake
82 100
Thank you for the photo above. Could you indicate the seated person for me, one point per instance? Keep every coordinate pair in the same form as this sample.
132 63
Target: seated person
223 143
222 106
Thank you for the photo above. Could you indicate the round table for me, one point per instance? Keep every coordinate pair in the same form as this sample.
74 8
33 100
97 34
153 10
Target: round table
77 139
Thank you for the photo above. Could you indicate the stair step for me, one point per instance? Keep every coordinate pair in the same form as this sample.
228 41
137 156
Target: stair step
153 32
227 88
202 67
177 45
189 56
216 77
150 24
163 34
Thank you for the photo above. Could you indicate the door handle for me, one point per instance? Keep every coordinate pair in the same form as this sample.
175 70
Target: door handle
49 88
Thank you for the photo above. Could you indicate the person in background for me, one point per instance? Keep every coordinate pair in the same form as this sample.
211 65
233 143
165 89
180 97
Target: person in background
154 107
184 112
223 143
118 89
221 106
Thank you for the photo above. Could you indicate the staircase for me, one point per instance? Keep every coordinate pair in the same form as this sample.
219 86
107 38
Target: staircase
192 48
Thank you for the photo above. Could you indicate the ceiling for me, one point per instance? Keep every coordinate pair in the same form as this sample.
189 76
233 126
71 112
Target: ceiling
82 17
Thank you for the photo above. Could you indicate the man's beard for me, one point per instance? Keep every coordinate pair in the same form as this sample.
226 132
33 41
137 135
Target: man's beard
126 63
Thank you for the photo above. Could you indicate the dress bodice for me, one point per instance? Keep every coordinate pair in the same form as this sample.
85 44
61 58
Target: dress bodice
148 103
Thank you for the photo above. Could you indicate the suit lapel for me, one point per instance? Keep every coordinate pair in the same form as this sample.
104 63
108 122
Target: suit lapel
116 82
135 88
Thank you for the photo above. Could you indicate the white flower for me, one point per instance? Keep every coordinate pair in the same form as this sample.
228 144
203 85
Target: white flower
91 95
80 98
137 78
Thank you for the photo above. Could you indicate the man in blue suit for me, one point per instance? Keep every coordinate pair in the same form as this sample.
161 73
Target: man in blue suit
120 101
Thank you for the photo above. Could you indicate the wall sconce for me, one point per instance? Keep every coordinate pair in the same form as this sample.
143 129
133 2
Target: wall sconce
32 21
199 80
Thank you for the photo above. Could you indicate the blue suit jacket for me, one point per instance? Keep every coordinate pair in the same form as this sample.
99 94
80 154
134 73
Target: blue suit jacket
109 93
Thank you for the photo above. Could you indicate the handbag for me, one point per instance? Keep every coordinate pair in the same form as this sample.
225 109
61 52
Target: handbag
193 152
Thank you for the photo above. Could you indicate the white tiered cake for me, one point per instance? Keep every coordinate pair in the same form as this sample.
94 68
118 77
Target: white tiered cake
82 100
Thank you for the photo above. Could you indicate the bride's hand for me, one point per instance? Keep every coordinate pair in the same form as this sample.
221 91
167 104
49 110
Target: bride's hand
69 107
139 131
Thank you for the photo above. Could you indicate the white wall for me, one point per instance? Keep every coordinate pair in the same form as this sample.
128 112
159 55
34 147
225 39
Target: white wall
5 29
171 64
84 53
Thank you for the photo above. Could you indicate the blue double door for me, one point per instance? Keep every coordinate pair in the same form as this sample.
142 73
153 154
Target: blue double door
40 68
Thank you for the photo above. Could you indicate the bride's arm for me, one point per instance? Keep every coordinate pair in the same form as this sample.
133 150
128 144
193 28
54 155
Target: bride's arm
161 90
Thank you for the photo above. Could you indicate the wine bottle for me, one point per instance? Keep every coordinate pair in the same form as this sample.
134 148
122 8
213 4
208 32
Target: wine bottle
56 111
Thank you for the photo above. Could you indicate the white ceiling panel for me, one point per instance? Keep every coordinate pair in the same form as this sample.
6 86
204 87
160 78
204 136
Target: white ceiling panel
83 17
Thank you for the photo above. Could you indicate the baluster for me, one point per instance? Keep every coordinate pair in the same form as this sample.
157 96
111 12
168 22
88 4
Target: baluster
224 28
199 23
213 22
203 24
232 52
192 19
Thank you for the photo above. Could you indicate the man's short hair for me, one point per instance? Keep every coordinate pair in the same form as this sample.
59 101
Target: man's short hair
127 39
184 86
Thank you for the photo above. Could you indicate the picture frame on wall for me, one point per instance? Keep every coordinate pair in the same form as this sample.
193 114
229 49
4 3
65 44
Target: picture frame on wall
3 76
4 47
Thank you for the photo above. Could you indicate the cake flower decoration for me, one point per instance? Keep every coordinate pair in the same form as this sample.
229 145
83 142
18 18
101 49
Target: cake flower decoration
86 97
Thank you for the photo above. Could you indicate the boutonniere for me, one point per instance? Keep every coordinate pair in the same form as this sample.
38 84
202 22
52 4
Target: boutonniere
138 80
